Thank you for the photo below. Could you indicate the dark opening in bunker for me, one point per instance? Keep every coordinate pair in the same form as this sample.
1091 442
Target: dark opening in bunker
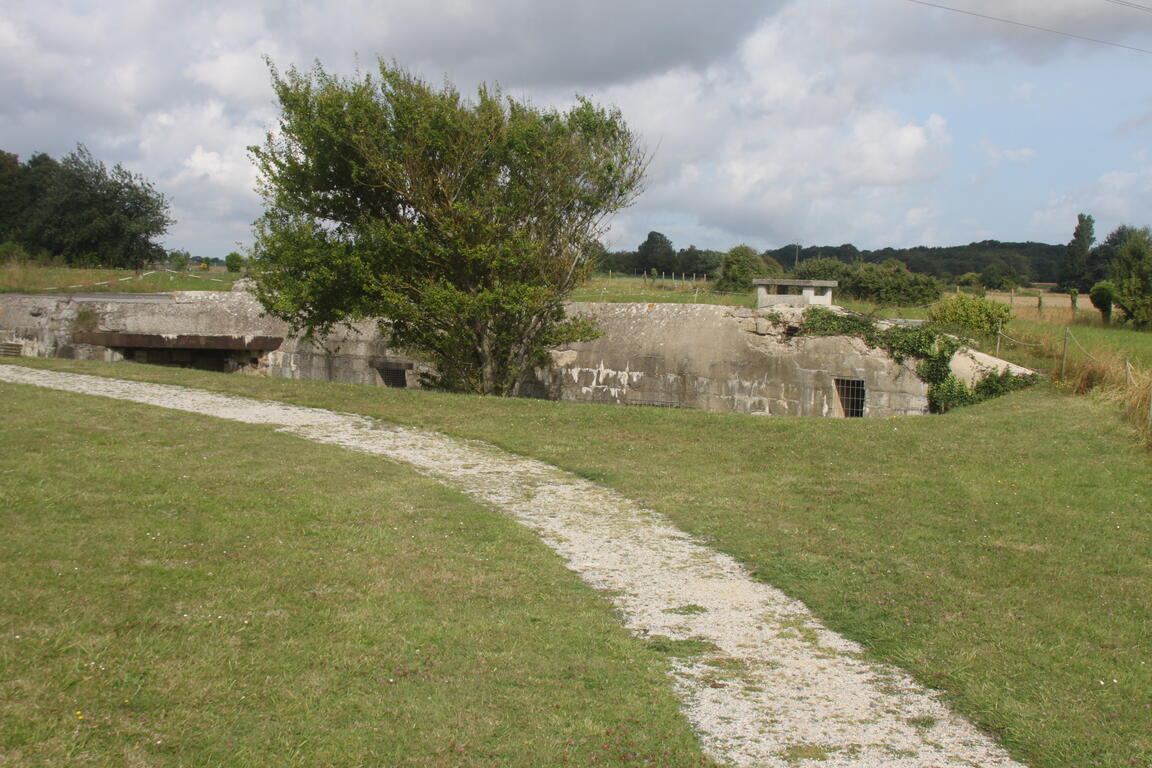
201 351
851 394
393 373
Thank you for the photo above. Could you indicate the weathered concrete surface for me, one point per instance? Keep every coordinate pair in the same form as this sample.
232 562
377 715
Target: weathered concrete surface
677 355
724 359
58 326
970 366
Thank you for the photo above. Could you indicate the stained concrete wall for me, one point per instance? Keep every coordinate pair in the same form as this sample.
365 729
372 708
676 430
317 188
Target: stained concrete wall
680 355
724 359
44 327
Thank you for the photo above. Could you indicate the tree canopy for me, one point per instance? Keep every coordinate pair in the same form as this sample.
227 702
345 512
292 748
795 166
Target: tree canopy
461 224
741 265
1074 270
1132 277
80 210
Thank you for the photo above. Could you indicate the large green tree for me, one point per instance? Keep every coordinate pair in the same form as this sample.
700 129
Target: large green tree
740 266
1074 269
81 210
1132 277
656 252
460 224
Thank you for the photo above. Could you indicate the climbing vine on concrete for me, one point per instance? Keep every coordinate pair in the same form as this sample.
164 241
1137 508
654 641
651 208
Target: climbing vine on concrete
933 349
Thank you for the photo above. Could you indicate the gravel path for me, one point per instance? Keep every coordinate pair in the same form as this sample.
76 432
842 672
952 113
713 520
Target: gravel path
772 686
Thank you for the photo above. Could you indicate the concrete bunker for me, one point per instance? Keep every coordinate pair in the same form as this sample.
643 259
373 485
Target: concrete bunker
703 356
773 291
730 359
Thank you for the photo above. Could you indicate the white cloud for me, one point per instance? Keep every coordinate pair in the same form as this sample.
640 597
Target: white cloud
823 120
1115 197
997 155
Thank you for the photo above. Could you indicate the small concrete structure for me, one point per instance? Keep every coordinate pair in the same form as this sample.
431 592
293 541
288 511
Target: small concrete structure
771 291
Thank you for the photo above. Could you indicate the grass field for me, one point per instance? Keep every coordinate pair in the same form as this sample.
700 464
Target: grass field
1001 553
182 591
666 291
24 277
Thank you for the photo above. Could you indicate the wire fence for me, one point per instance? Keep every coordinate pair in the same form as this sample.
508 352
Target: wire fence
140 276
1133 384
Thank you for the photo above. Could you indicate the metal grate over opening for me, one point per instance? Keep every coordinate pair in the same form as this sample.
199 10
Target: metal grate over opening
851 394
393 377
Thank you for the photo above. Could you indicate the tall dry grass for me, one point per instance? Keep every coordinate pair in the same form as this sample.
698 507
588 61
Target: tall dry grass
1097 369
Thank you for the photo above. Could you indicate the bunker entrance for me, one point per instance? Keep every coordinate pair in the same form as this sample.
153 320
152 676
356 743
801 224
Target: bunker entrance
851 394
203 352
393 373
220 360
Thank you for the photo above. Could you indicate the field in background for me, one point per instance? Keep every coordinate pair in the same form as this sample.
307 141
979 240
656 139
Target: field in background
656 290
25 277
185 591
999 552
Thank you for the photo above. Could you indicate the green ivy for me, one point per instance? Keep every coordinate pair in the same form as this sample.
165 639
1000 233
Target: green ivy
819 321
933 348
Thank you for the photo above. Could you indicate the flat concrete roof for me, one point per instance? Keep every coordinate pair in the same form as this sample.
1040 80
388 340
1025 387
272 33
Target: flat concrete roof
132 298
801 283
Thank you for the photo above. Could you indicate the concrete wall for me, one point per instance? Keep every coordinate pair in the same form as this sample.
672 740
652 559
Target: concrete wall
724 359
677 355
44 326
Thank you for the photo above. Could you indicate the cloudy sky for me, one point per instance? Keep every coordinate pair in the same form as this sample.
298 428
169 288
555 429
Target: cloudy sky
875 122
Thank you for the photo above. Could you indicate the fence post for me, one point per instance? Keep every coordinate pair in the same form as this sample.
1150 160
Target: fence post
1127 372
999 331
1064 356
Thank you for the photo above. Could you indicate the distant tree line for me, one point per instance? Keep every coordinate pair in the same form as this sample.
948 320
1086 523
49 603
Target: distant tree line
657 254
990 263
79 211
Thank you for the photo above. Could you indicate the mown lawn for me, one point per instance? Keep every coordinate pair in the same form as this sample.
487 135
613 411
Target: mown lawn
184 591
658 291
24 277
1002 553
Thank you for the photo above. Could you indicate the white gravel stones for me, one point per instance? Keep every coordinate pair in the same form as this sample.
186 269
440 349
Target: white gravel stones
761 680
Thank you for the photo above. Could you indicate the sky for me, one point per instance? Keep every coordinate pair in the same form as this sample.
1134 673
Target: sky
873 122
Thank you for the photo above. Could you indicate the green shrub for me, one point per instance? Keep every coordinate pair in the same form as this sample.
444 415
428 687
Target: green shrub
904 341
1102 296
969 315
822 269
888 283
740 266
948 394
819 321
1000 383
